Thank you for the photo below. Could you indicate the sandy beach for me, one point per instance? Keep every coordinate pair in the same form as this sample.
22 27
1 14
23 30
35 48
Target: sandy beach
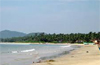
86 55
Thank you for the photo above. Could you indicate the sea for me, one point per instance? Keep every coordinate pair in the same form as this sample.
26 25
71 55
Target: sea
26 54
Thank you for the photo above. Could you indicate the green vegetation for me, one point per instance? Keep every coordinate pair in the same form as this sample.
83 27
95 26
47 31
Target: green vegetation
56 38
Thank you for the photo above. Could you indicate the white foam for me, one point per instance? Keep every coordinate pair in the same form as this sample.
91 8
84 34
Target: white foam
65 46
28 50
14 51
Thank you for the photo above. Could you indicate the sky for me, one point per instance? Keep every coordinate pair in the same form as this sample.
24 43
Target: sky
50 16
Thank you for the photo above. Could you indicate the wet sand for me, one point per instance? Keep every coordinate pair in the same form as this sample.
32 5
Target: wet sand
86 55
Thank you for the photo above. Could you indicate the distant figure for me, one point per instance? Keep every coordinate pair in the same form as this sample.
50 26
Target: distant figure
97 42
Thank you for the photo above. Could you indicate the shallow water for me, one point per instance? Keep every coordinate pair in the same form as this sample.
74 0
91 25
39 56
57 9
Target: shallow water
26 54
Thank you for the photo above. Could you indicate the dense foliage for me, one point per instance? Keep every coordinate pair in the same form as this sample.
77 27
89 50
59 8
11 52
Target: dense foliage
56 38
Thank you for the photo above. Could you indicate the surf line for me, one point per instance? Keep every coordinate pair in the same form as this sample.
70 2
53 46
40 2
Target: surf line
66 46
24 51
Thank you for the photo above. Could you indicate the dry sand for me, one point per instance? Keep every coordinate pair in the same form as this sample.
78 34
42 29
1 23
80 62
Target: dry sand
86 55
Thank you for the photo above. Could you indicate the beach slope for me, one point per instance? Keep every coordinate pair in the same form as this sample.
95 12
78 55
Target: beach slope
86 55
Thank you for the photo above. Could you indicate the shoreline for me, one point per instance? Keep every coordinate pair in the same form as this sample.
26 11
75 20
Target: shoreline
40 43
86 55
48 57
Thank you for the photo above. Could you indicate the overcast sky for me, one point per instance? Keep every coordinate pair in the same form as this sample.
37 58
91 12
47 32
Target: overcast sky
50 16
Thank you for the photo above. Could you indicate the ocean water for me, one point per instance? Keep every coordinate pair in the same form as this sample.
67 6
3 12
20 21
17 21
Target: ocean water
26 54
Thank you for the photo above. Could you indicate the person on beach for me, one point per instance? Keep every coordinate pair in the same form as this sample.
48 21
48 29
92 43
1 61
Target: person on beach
97 42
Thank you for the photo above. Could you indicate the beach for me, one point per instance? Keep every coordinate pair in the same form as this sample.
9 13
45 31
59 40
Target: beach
26 54
86 55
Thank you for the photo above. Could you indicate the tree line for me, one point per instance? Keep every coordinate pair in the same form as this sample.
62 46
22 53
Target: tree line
56 38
